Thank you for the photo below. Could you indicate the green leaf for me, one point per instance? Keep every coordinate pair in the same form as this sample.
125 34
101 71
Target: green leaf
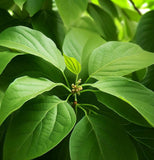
144 37
20 3
132 15
22 90
32 7
71 10
72 64
38 127
122 3
24 39
129 27
79 43
104 22
135 94
118 59
97 137
51 25
122 108
109 7
144 33
36 67
5 58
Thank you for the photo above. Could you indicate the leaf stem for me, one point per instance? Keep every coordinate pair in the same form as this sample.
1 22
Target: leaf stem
131 1
89 90
66 79
76 110
82 109
65 87
90 105
68 97
87 79
87 84
76 78
75 95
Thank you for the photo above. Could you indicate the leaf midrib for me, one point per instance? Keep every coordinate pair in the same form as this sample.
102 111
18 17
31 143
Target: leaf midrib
118 59
36 53
97 138
31 133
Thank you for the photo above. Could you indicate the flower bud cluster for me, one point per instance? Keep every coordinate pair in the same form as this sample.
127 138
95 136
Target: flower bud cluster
76 88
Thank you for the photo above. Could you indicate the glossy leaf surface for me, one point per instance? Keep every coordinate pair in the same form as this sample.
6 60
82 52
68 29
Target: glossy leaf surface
24 39
72 64
118 59
22 90
100 138
71 10
135 94
79 43
104 22
122 108
38 127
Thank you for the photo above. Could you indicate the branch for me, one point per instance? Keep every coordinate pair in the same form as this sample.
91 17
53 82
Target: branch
131 1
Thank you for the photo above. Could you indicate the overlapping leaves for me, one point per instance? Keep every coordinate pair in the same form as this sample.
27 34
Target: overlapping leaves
22 90
118 59
98 137
26 40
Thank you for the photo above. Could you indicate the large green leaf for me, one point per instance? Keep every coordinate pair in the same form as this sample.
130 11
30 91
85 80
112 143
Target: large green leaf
79 43
135 94
38 127
36 67
97 137
87 23
5 58
51 25
71 10
118 59
129 27
121 108
144 37
24 39
104 22
22 90
144 33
